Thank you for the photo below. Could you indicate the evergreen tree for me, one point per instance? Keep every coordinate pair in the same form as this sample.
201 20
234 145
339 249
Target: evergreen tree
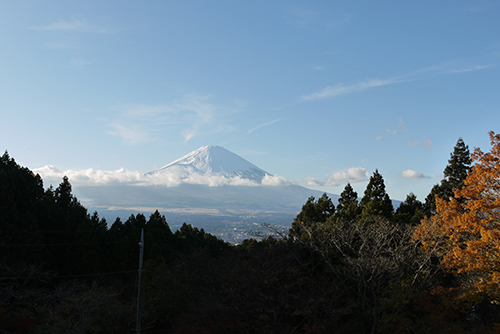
316 211
21 202
411 211
324 208
191 239
313 212
455 173
347 207
376 201
458 166
158 236
69 224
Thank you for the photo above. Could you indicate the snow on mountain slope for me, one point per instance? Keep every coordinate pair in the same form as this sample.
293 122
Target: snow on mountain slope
211 188
213 160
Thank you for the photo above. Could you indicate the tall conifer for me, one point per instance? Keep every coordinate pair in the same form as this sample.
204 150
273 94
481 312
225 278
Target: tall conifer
455 173
376 201
348 204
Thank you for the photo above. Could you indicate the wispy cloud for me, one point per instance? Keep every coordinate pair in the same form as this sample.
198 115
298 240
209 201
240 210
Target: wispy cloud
471 69
79 25
197 112
411 174
131 134
191 116
341 89
319 67
400 126
353 174
427 144
260 126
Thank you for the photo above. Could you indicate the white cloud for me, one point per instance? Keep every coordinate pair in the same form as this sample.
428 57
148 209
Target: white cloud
411 174
275 180
353 174
89 177
80 25
315 182
49 171
175 177
341 89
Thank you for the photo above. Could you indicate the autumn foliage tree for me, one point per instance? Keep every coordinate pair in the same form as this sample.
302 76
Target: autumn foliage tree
465 231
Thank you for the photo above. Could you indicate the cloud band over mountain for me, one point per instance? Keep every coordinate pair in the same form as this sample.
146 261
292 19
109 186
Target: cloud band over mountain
175 177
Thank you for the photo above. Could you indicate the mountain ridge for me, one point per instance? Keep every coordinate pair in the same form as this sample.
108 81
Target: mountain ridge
216 190
214 160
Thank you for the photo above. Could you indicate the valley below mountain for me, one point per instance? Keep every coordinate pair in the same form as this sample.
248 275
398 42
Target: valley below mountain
230 212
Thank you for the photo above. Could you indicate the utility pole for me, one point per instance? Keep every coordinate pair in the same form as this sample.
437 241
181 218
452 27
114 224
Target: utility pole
139 283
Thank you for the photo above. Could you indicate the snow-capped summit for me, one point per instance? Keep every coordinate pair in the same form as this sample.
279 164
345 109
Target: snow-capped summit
214 160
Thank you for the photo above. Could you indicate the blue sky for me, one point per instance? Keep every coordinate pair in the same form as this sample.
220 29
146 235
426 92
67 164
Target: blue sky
318 92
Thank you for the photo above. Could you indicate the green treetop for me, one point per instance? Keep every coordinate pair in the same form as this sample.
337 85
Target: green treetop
456 171
376 201
313 212
411 211
348 204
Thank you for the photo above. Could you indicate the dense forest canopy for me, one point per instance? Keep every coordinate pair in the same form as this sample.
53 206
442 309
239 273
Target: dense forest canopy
358 267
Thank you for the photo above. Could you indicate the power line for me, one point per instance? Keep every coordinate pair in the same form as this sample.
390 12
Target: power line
70 276
70 244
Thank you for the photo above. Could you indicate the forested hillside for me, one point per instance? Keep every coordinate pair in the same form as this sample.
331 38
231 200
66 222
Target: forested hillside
358 267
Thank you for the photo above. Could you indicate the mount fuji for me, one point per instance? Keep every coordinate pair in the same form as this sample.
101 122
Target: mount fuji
214 160
211 188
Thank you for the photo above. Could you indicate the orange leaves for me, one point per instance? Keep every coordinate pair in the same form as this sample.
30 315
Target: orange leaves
465 230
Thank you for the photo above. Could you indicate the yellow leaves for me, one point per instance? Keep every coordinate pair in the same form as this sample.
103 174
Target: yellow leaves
465 230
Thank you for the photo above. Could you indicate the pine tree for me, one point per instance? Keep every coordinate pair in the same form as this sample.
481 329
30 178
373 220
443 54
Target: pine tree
347 207
21 194
158 236
324 208
456 171
376 201
411 211
313 212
